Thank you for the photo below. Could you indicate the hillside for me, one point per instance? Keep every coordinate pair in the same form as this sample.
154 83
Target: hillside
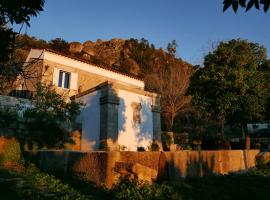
132 56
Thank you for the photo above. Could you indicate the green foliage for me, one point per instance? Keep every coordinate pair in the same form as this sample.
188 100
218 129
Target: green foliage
142 52
54 186
135 190
154 147
140 149
18 12
60 45
46 120
11 152
166 140
103 146
9 119
33 184
251 3
231 85
265 172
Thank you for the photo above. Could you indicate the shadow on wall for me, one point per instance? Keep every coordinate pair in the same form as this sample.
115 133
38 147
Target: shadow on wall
199 166
145 135
98 167
90 121
178 165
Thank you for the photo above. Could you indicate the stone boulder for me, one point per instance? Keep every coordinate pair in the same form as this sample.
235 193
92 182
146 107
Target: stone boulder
75 47
88 50
141 172
99 41
88 43
144 173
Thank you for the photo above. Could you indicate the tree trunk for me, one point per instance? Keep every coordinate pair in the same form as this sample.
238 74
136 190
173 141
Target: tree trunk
222 127
246 134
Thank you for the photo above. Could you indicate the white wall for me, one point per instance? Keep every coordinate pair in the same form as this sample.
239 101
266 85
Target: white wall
132 136
90 119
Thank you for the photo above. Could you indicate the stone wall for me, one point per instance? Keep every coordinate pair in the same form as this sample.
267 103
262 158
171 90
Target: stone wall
99 167
12 102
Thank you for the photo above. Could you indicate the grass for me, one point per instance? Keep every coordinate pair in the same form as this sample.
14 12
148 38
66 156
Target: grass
31 184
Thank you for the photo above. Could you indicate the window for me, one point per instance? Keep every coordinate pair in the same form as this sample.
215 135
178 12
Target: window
64 79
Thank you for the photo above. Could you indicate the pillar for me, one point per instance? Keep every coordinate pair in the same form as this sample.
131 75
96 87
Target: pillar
109 102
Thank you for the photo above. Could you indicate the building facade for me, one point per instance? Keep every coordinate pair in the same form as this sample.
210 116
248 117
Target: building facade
116 110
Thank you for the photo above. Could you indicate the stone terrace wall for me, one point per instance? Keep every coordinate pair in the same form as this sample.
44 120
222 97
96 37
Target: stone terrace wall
12 102
99 167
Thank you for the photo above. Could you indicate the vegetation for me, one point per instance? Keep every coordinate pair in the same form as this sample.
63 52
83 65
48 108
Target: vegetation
243 3
232 86
170 78
31 183
18 12
48 121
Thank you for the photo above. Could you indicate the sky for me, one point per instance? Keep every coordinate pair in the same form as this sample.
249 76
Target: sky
196 25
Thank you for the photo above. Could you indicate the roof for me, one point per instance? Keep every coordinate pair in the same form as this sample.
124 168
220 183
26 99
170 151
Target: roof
114 85
88 62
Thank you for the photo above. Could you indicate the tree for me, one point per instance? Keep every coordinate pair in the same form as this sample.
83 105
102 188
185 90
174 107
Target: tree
231 86
18 12
170 78
47 120
59 45
251 3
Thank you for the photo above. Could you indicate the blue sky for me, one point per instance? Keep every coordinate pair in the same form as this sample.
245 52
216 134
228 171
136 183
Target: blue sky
194 24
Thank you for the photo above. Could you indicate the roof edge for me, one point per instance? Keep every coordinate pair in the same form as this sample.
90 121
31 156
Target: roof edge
87 62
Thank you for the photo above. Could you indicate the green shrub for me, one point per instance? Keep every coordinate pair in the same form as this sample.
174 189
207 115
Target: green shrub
127 189
131 189
103 146
47 122
140 149
154 147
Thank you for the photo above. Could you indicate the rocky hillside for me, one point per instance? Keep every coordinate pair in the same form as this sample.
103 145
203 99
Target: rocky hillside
135 57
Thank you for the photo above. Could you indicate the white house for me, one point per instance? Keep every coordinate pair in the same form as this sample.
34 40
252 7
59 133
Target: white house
117 110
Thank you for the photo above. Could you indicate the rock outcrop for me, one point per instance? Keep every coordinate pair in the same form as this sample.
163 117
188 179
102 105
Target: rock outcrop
75 47
111 53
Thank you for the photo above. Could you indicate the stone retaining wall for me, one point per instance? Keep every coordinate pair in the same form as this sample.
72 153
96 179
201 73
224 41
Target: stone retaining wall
12 102
99 167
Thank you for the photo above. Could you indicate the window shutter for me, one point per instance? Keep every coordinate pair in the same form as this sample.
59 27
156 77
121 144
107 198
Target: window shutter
55 76
74 80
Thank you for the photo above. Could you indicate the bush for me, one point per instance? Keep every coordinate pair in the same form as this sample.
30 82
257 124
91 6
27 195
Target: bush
9 121
166 140
140 149
131 189
10 152
154 147
47 122
103 146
